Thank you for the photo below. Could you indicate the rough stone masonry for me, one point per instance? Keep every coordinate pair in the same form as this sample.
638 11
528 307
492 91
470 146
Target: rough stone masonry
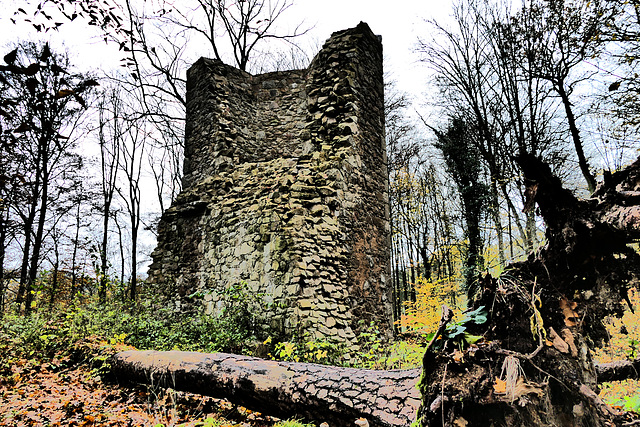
285 189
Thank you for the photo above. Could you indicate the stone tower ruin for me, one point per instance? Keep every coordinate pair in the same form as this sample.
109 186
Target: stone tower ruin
285 189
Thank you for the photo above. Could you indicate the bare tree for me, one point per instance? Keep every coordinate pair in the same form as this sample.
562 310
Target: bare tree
555 38
236 26
110 135
485 80
80 221
50 102
462 63
165 169
132 149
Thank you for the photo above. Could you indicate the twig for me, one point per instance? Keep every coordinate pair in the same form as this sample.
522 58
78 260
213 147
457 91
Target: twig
447 315
529 356
444 376
551 376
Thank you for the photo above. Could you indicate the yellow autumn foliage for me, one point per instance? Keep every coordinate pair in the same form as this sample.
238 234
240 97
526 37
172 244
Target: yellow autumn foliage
423 315
624 343
624 334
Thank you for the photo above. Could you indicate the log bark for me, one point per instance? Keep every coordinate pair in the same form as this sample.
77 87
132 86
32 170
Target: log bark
385 398
618 370
319 393
533 366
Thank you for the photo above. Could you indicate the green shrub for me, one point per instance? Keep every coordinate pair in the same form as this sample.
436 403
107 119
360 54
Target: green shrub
146 325
632 403
371 351
310 350
375 353
36 336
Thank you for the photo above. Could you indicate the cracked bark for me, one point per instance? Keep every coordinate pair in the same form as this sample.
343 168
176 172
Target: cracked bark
320 393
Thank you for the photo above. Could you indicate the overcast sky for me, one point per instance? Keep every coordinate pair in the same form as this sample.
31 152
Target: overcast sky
399 22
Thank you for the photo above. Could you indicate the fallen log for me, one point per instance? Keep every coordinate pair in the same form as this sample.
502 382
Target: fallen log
320 393
618 370
316 392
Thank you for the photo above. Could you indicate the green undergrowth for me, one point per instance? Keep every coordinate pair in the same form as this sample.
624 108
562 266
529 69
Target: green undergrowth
371 351
624 342
623 395
221 422
148 325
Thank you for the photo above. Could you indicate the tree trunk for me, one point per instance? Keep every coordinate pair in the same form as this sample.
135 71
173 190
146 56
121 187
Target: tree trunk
39 236
531 364
3 238
575 136
55 273
494 210
134 258
102 289
329 394
28 233
122 257
74 256
618 370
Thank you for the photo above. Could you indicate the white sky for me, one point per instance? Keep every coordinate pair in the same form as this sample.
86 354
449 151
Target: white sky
399 23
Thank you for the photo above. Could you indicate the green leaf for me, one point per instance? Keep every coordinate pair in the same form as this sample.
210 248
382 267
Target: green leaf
477 316
481 318
429 336
472 339
456 331
632 403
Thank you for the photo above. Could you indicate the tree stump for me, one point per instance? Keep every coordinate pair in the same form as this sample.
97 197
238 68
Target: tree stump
533 366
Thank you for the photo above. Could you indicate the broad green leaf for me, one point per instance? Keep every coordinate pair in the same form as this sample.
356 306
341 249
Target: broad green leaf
472 339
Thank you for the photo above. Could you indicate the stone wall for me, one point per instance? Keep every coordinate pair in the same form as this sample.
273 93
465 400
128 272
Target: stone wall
285 188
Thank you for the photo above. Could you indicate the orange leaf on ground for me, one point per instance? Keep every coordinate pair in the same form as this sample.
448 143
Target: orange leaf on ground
571 318
500 386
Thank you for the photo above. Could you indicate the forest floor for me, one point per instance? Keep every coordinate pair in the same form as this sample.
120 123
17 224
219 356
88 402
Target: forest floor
54 371
64 392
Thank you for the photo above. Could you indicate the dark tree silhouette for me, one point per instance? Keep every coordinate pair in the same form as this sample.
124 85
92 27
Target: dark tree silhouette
532 365
46 103
462 160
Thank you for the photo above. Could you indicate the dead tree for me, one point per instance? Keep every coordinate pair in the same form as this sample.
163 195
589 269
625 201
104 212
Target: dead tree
530 363
329 394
